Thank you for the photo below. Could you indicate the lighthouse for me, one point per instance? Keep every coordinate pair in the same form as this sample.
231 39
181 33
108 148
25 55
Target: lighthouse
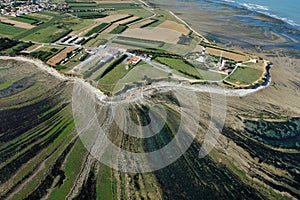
202 57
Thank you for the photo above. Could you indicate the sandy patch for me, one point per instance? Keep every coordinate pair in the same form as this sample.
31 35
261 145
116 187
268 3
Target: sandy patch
81 32
127 20
16 23
217 52
58 57
111 18
174 26
158 34
33 48
109 29
138 25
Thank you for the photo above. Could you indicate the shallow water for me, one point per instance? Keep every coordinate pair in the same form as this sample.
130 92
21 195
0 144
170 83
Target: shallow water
232 24
287 10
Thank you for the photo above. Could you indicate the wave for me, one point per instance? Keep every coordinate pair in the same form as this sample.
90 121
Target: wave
263 10
255 7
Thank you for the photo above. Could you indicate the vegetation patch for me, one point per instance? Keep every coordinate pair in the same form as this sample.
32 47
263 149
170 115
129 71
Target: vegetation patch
113 74
25 20
97 29
9 29
136 42
119 29
245 76
277 134
89 15
180 65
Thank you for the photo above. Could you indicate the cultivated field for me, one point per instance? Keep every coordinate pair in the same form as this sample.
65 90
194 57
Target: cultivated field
16 23
130 19
110 28
226 54
135 42
111 18
174 26
168 36
141 24
60 56
7 29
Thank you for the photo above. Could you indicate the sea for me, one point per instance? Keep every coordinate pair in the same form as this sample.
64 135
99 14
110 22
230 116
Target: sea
285 10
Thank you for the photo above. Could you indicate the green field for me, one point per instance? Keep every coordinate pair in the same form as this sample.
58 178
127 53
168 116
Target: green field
119 29
97 29
45 53
245 75
135 42
109 81
72 169
139 73
136 12
47 35
21 19
9 29
89 15
180 66
54 29
116 6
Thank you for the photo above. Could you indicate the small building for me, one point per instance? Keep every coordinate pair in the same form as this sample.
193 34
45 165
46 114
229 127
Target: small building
134 60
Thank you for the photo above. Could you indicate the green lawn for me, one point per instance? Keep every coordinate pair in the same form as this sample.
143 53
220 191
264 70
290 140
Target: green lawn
9 29
245 75
109 81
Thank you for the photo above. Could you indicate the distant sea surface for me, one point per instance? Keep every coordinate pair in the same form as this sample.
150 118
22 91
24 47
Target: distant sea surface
285 10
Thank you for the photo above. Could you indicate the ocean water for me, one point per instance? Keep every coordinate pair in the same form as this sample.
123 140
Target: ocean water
285 10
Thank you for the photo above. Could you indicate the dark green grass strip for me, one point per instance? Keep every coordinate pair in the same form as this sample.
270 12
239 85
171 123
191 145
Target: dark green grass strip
97 29
10 169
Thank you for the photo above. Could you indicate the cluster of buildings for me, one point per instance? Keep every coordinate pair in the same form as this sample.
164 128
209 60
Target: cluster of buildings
17 8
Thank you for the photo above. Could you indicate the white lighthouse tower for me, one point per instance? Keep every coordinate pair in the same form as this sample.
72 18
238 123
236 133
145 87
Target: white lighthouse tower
202 57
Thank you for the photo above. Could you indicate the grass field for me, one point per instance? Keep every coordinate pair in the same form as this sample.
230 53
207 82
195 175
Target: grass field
9 29
245 75
180 66
136 12
136 42
97 29
54 29
89 15
72 169
21 19
104 185
47 35
139 73
109 81
119 29
116 6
